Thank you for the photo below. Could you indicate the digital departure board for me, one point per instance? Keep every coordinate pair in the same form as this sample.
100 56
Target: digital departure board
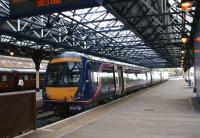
26 8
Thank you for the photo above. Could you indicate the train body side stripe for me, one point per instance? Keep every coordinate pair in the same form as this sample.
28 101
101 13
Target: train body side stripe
61 94
59 60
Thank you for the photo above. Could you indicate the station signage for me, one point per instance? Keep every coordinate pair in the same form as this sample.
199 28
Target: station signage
26 8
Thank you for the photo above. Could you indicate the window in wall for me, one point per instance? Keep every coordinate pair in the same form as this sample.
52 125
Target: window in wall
4 78
25 77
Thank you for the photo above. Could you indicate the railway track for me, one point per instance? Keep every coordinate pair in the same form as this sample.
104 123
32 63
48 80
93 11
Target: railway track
48 117
45 118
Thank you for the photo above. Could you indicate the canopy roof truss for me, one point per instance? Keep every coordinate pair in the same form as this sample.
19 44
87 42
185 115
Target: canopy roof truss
142 32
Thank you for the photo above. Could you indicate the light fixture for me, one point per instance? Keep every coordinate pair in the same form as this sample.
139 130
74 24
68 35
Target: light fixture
12 53
186 5
182 51
184 38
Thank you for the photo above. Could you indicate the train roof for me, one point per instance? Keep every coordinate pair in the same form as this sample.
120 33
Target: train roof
70 54
20 70
76 54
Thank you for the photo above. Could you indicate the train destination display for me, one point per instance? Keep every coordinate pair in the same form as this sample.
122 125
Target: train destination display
26 8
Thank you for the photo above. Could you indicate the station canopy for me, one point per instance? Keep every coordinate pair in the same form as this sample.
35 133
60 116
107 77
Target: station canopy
142 32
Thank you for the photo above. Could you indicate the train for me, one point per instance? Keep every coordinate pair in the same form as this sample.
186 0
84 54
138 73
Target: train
9 79
75 82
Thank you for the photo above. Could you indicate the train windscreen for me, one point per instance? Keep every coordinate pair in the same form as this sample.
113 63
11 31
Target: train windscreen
65 74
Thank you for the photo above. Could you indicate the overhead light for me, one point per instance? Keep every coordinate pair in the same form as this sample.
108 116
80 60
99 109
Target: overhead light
184 38
182 51
11 52
186 5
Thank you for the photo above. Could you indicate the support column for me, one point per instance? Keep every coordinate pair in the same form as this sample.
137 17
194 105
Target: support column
160 75
37 58
195 83
188 74
151 75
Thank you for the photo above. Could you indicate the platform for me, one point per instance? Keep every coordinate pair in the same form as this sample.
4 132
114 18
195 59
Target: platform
38 97
161 111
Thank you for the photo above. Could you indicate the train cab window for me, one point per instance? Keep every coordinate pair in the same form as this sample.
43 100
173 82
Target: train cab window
25 77
4 78
64 74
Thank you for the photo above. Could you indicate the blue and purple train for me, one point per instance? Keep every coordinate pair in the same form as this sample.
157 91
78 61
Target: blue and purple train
74 82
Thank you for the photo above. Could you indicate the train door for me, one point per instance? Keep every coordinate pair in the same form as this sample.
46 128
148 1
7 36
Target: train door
116 79
146 76
121 80
87 80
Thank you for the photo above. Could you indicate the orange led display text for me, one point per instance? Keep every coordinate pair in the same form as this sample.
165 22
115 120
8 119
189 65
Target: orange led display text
45 3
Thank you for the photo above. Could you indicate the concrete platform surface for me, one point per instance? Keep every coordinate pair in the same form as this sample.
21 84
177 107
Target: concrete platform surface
163 111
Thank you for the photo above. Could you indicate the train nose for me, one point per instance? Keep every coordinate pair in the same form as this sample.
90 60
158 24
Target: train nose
61 94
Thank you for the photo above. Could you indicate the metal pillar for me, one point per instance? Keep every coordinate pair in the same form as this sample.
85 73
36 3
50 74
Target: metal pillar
188 74
151 76
37 58
160 75
194 87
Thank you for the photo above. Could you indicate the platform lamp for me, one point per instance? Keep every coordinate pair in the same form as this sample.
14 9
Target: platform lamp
182 52
186 5
11 52
181 61
182 58
184 38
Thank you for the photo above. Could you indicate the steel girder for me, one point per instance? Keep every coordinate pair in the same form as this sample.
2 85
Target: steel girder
157 23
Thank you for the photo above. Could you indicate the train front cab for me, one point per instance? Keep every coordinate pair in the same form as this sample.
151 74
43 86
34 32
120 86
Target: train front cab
64 83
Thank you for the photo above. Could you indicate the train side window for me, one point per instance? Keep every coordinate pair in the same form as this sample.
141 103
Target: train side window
95 72
107 76
4 78
25 77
